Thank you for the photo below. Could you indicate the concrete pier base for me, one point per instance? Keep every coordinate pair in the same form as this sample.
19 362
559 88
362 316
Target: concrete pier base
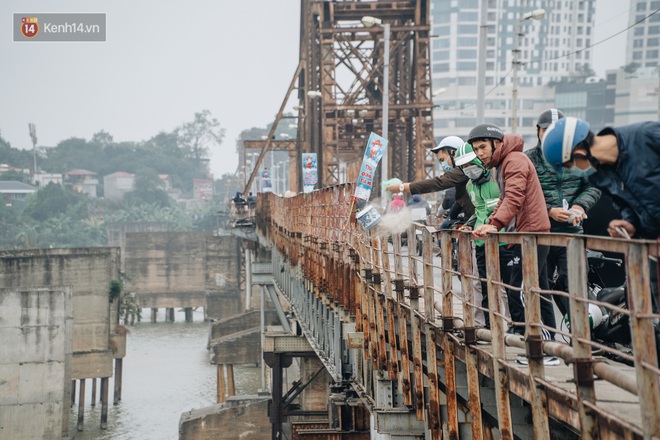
244 414
154 314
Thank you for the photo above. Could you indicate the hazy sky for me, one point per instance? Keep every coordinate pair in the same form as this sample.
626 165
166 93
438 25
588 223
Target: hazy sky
164 60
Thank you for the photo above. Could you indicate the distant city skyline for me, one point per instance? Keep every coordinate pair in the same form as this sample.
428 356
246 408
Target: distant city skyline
163 61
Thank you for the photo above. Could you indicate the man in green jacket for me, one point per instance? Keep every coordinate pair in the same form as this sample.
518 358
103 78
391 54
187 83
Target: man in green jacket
484 194
568 197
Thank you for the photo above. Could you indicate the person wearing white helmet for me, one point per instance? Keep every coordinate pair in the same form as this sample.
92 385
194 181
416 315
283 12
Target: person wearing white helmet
453 177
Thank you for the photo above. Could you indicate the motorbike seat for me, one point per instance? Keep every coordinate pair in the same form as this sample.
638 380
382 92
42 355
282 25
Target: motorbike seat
612 295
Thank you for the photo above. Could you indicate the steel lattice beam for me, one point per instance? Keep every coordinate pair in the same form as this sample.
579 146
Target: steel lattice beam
344 61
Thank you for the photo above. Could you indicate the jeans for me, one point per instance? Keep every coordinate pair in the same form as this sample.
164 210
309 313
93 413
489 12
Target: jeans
516 305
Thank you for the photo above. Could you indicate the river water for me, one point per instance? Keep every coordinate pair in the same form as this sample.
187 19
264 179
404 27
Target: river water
166 372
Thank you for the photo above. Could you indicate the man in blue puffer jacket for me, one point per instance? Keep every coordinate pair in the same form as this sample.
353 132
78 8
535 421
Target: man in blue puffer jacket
624 163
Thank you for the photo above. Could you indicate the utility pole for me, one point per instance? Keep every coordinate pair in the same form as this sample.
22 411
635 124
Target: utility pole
33 136
481 65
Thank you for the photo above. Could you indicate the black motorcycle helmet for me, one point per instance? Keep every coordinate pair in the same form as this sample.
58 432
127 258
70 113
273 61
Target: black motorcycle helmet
486 131
548 117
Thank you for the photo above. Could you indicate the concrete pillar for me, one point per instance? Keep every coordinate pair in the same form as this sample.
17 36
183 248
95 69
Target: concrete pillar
104 403
154 313
81 405
248 279
170 314
189 314
93 392
119 366
231 390
73 393
221 383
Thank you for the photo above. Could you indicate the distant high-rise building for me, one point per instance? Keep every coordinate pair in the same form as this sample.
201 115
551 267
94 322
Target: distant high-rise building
644 38
552 49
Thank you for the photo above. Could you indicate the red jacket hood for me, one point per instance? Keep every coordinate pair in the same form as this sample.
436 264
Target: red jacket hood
511 142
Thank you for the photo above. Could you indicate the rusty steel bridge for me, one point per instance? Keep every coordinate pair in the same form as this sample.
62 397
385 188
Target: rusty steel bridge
396 334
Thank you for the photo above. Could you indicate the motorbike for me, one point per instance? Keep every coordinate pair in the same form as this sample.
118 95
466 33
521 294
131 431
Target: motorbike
609 327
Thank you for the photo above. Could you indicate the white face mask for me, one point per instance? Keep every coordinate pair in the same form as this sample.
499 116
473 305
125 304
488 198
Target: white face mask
473 172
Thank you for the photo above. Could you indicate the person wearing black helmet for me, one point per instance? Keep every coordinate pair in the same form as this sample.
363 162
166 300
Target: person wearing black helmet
521 208
568 197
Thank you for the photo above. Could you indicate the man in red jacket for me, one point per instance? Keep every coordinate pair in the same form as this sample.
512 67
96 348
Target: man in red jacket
521 209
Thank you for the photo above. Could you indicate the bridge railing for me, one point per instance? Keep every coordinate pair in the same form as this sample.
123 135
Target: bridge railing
415 317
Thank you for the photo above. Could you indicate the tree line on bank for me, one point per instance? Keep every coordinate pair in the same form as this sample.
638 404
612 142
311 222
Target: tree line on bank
54 216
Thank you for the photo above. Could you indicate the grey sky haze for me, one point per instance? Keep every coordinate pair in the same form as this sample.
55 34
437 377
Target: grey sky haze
164 60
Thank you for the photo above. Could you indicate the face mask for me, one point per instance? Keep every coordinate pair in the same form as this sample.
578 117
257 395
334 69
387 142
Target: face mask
446 167
584 173
473 172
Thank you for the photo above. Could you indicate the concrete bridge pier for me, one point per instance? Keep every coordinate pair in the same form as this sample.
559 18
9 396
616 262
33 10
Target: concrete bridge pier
93 402
188 311
154 314
104 402
225 388
119 368
81 406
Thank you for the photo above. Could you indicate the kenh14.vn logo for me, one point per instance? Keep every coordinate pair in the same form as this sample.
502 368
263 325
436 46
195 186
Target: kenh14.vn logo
29 27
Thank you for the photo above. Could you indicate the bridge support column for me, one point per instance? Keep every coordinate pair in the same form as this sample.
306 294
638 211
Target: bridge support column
93 392
154 313
169 314
231 386
81 406
189 314
119 367
221 390
104 402
73 393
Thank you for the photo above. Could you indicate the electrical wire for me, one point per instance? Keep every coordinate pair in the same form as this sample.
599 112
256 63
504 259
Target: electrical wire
596 43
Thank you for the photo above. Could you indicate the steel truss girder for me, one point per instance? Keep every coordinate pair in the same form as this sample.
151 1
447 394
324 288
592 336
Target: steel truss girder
344 61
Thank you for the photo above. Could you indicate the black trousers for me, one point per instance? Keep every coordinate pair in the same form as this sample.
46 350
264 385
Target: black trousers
506 255
516 305
557 262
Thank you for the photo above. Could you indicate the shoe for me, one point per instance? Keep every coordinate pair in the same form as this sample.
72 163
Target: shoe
516 330
547 360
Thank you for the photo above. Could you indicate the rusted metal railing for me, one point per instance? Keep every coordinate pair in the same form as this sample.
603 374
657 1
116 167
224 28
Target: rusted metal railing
416 317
